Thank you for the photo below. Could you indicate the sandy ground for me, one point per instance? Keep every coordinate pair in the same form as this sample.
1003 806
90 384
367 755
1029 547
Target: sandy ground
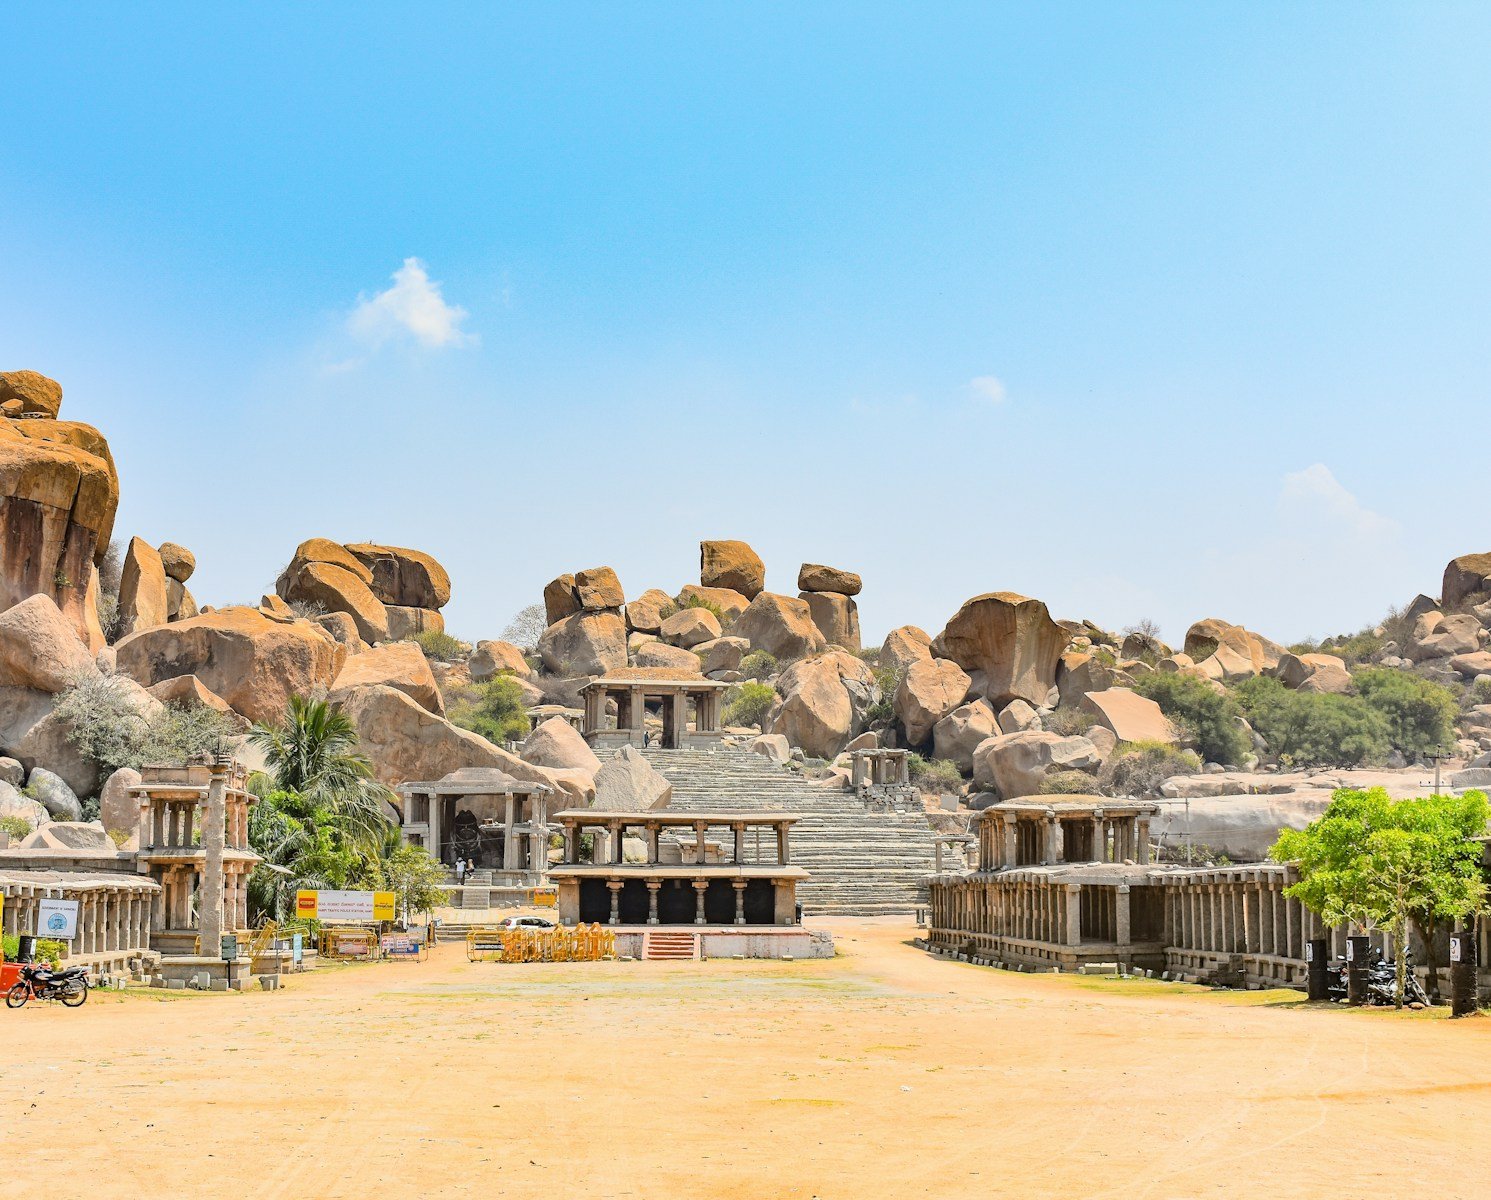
882 1073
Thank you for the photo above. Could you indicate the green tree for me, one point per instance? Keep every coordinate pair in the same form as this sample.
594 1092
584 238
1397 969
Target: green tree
1370 862
107 724
748 703
413 877
313 753
1203 713
1311 728
1419 713
493 709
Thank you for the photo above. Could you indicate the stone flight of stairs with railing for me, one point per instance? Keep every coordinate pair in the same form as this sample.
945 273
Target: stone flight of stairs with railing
859 862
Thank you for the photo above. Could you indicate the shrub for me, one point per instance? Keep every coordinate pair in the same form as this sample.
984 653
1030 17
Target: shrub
758 665
695 601
307 610
1207 715
934 774
1139 768
494 710
1420 713
1069 722
17 827
439 646
748 703
1310 729
1479 693
1068 783
105 725
883 710
47 950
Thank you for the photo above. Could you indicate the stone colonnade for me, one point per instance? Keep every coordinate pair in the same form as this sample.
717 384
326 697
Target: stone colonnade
1029 837
611 850
179 885
114 915
1239 910
1025 908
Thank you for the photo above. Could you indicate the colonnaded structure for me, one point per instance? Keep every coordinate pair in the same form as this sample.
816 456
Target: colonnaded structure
1066 881
484 816
158 905
690 709
665 885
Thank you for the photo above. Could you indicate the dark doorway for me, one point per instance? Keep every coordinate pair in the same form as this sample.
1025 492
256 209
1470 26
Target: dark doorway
675 902
634 902
719 902
760 902
595 901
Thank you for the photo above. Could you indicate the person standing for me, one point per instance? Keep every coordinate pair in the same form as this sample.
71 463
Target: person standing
460 871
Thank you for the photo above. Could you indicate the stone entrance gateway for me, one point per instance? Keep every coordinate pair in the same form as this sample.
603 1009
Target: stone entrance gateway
485 815
690 709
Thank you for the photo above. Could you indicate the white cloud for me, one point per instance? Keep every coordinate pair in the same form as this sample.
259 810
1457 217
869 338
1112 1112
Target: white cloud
987 388
413 306
1316 492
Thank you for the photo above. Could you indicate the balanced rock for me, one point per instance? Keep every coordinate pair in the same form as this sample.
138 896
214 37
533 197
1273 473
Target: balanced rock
1130 716
629 783
598 589
732 565
30 392
59 493
400 665
781 625
39 647
837 617
963 731
929 691
252 662
586 643
336 589
1012 639
814 577
178 561
1013 764
690 626
495 657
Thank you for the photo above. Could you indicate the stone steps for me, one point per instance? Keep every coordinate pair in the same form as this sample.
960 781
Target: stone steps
859 862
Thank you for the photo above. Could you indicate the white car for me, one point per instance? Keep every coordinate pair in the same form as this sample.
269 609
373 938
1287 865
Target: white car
529 923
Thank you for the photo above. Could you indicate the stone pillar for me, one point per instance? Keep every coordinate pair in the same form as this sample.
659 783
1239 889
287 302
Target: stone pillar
1121 916
652 890
1073 914
1010 836
1099 849
739 851
700 887
740 890
615 887
1143 829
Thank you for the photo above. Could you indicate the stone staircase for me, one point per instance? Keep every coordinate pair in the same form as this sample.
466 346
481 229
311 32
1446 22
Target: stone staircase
669 945
859 862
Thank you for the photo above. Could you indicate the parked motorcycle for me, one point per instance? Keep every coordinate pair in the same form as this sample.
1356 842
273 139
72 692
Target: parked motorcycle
1382 982
41 983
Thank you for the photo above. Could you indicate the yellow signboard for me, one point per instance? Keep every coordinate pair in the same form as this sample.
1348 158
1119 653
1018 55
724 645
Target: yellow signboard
344 906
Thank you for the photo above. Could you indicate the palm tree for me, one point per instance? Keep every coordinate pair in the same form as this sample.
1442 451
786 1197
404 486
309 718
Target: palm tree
313 754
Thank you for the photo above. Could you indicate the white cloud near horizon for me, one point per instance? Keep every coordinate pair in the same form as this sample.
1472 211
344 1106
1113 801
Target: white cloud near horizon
988 388
413 306
1316 492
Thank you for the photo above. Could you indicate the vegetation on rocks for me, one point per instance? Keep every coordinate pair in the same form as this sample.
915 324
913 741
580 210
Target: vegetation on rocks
1313 729
493 709
439 646
1068 722
748 703
1420 713
1068 783
935 775
17 827
109 728
1139 768
1204 716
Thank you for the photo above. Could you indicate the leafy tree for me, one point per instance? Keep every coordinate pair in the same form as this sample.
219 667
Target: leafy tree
1313 728
1138 768
1420 714
1375 863
748 703
1203 713
494 710
758 665
413 877
439 646
313 753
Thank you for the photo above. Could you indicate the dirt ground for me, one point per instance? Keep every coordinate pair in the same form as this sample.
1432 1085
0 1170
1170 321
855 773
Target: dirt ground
882 1073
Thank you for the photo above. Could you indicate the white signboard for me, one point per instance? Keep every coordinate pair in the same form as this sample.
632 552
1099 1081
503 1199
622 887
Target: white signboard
57 919
338 907
1454 949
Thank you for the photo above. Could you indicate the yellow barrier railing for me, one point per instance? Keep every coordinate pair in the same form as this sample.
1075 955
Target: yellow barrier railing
577 943
348 942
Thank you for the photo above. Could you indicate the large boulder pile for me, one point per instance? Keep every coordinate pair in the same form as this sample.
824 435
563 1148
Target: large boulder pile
59 492
400 665
782 626
587 631
152 586
823 702
1014 764
390 592
733 566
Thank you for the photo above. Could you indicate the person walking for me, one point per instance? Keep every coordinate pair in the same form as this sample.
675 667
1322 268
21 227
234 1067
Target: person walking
460 871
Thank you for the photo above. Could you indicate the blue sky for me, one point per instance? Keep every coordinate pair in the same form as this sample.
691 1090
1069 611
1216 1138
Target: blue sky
1151 311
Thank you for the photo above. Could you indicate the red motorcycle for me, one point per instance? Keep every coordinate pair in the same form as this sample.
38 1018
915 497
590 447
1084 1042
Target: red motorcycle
41 983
